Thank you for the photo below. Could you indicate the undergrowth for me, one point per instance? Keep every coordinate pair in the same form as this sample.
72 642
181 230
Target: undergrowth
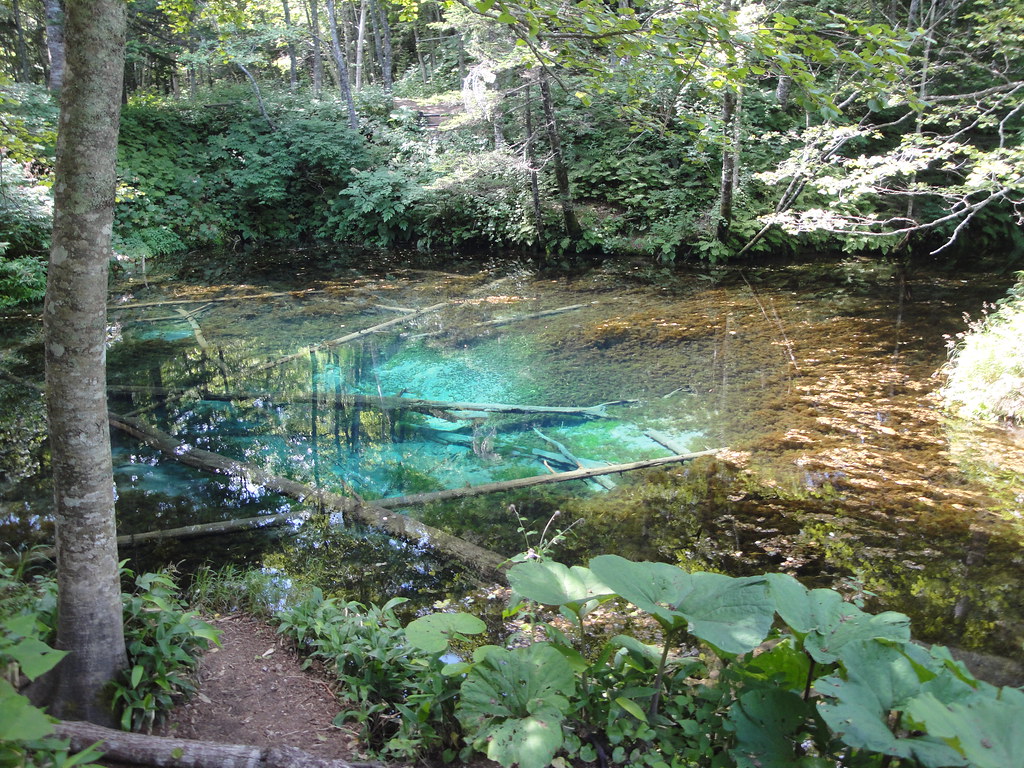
985 373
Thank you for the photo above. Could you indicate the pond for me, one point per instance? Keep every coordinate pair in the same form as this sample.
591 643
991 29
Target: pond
817 381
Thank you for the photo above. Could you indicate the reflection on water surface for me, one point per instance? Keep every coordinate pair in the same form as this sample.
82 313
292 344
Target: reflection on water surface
818 379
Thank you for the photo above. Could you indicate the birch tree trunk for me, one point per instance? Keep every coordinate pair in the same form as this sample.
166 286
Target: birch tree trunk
318 60
361 43
55 43
339 59
89 624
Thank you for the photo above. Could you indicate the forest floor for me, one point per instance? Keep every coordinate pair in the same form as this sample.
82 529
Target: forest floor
253 690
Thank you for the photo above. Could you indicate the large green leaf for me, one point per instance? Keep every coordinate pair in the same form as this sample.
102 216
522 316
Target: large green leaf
732 614
551 583
767 723
433 632
986 730
513 703
826 622
18 718
880 679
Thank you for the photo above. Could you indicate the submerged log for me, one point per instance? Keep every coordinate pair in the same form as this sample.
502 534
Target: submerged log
605 482
351 336
508 320
168 302
392 403
665 440
485 563
141 749
526 482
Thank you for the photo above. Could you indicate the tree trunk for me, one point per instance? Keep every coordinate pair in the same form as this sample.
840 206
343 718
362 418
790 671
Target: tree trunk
572 224
55 43
138 748
530 150
342 65
385 51
361 43
259 97
293 74
727 186
313 16
89 609
23 72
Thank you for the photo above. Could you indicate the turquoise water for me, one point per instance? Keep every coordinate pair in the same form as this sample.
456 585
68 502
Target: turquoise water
841 468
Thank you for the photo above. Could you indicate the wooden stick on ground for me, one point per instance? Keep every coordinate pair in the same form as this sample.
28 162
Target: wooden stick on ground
351 336
140 749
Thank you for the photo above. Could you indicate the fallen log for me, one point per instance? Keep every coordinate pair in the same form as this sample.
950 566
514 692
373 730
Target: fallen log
163 752
665 440
192 531
389 403
168 302
485 563
525 482
350 337
507 320
605 482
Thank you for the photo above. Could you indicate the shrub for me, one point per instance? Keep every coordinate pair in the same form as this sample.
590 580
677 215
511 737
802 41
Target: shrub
985 373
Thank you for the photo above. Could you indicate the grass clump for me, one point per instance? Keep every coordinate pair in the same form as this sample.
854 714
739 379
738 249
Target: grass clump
985 372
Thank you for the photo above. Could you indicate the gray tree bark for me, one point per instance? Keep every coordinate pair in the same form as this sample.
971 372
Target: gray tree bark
572 224
55 43
89 620
342 64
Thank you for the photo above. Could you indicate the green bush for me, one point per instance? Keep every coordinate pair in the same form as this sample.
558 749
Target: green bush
985 373
403 705
163 640
26 733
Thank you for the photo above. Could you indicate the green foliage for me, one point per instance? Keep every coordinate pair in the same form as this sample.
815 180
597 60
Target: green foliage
21 280
513 703
746 700
25 731
985 373
163 639
396 693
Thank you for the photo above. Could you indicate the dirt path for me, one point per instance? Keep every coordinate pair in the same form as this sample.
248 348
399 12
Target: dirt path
253 690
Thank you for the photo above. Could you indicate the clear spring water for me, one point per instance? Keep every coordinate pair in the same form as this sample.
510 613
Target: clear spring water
820 380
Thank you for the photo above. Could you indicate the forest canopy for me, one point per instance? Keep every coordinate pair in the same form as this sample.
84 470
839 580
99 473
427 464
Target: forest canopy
705 130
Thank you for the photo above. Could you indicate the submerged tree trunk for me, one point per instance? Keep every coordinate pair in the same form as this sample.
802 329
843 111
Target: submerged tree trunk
572 224
55 43
89 622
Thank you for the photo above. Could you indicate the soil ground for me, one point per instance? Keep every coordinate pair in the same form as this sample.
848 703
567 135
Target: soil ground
253 690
